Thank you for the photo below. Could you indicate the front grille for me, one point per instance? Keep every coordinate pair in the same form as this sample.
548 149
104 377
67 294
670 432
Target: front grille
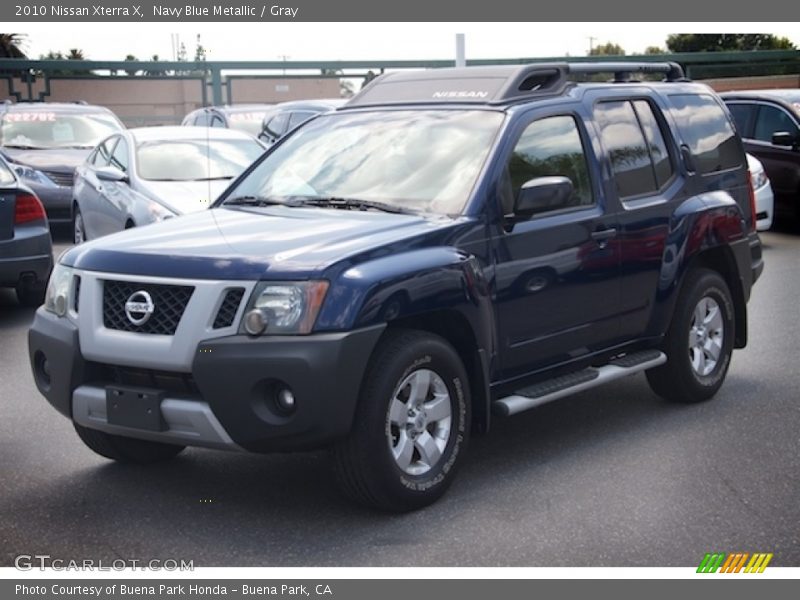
227 311
60 178
77 292
169 303
171 382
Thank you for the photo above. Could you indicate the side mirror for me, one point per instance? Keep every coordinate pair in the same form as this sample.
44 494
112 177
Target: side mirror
543 194
784 138
111 174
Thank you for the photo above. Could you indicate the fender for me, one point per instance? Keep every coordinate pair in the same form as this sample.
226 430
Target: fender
702 225
410 284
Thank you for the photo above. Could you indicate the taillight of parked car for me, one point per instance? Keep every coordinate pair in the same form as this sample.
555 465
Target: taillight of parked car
28 208
752 192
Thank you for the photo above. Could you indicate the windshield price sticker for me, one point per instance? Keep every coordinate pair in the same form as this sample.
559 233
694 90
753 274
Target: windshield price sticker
24 117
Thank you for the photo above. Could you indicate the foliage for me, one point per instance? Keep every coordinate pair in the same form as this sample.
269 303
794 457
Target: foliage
607 49
721 42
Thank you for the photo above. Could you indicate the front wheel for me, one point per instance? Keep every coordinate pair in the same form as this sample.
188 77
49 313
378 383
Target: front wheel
699 342
411 426
78 228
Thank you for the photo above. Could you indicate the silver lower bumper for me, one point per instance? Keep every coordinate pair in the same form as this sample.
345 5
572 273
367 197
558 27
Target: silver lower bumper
191 422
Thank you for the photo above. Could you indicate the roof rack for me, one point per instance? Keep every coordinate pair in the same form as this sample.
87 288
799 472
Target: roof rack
495 85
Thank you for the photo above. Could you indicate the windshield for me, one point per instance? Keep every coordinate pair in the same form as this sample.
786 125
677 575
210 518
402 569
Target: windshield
193 160
419 160
248 122
49 129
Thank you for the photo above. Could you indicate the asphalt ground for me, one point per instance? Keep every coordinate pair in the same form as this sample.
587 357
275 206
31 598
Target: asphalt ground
610 477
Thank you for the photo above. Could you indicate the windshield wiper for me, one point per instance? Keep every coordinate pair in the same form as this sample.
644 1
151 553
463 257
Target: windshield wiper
260 201
25 147
355 203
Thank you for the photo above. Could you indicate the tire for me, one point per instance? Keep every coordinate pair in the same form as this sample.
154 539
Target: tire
31 295
78 226
428 431
126 450
699 342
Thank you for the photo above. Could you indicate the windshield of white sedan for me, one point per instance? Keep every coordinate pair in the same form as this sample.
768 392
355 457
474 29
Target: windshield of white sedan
38 129
193 160
414 160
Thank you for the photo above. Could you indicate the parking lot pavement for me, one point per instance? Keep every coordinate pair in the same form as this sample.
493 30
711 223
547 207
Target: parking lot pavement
611 477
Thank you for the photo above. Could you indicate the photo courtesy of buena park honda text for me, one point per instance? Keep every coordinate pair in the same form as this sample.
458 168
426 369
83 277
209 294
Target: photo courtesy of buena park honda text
345 300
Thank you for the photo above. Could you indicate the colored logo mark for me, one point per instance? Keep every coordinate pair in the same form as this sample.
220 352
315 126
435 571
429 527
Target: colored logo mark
736 562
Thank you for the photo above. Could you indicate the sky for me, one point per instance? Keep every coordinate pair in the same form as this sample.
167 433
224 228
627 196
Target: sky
365 41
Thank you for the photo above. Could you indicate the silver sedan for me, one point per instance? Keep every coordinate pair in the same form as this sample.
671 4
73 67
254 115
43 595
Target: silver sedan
148 174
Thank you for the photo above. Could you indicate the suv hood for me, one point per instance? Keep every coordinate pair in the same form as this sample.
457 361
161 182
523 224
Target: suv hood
240 243
49 159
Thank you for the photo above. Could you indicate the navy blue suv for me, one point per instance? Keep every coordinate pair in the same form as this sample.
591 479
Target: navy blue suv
450 245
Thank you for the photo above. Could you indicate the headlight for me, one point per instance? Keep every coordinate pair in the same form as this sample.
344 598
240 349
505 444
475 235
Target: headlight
759 180
56 299
283 308
33 175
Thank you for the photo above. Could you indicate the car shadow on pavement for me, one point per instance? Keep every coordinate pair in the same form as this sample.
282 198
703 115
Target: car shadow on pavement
226 509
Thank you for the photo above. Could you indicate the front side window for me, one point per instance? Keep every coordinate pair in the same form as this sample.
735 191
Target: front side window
773 120
743 114
103 152
705 128
551 147
39 129
120 157
416 160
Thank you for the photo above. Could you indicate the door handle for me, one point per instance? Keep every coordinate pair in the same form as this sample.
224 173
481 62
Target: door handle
603 235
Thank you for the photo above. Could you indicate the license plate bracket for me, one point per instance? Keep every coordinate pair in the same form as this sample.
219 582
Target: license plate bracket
136 407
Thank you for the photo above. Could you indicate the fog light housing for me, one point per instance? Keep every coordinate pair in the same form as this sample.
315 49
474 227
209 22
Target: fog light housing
255 322
285 400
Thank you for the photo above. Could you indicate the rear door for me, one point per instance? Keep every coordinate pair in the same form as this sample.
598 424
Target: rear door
556 272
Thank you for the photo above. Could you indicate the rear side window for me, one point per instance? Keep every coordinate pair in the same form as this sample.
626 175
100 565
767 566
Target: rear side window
635 145
705 128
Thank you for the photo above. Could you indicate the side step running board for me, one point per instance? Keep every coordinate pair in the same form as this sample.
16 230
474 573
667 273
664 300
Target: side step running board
556 388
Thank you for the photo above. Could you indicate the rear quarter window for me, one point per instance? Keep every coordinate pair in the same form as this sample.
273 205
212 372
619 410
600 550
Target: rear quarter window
707 132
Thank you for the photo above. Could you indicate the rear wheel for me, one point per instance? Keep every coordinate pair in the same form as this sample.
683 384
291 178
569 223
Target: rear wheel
126 450
411 426
699 343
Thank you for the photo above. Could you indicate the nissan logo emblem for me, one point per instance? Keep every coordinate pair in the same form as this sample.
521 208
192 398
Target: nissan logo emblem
139 307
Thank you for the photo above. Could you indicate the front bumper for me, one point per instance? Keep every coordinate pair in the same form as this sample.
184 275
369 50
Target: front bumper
229 399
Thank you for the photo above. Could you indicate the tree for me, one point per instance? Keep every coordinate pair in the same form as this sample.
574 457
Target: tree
721 42
11 45
654 50
345 87
131 58
155 72
74 55
607 49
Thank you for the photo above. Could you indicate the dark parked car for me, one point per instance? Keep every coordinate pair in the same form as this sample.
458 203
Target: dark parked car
450 245
769 123
242 117
147 174
284 117
26 251
45 141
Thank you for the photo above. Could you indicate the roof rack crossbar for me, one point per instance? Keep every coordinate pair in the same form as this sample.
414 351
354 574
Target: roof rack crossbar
622 70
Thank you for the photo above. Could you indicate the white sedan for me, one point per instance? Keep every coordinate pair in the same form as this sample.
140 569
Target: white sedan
763 190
